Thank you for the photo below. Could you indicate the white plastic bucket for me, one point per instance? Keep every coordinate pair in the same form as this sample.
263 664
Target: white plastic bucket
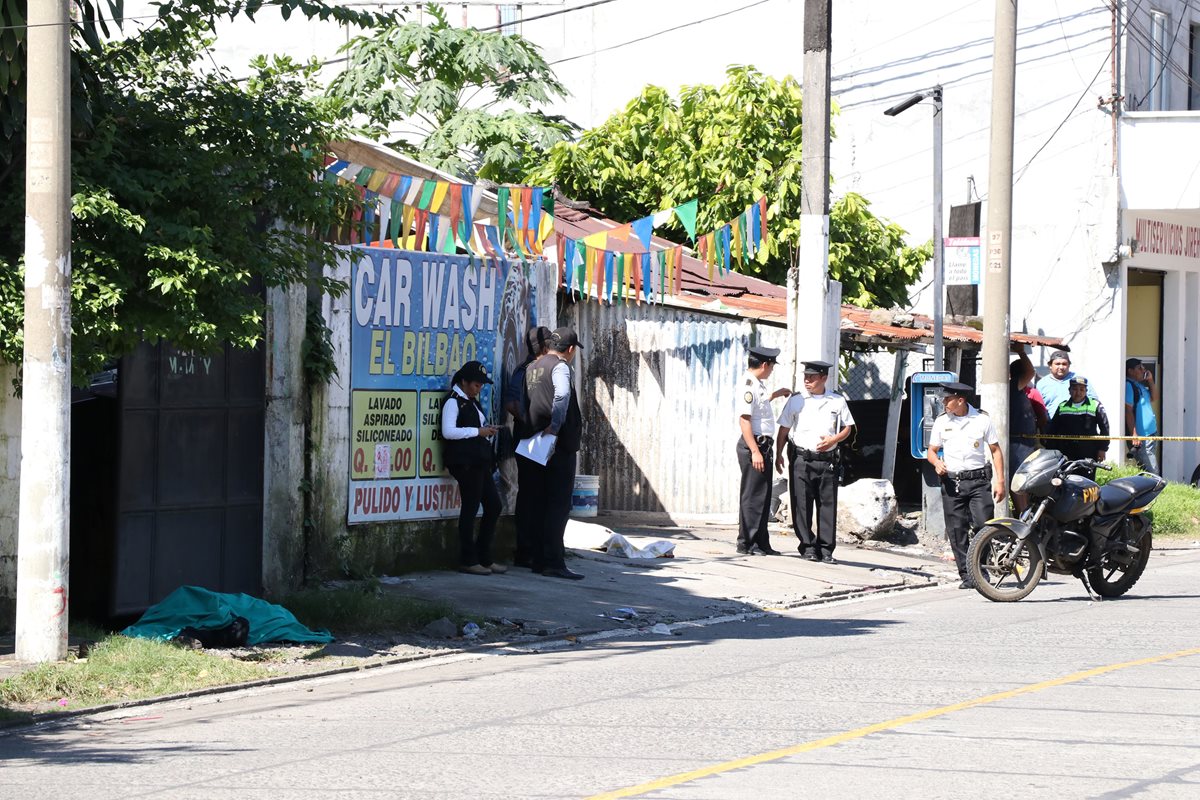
585 500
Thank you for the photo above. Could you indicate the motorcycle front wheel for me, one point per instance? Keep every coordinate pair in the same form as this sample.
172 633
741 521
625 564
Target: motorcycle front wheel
1004 567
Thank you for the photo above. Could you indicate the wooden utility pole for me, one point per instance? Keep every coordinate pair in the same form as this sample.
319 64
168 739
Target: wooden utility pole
814 302
43 538
997 283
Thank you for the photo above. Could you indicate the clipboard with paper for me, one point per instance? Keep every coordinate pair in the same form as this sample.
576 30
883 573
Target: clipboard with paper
537 448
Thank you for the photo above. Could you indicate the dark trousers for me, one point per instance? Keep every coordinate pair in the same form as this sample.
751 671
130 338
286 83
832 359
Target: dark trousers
525 512
814 491
556 484
477 487
755 504
966 507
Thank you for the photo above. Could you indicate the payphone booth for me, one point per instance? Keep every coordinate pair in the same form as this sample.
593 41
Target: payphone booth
926 404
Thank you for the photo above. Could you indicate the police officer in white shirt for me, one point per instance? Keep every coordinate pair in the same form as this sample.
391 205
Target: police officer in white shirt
959 446
756 422
814 423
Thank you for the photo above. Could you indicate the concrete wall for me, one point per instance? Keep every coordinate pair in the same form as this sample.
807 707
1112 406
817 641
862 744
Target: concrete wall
283 456
10 491
1137 32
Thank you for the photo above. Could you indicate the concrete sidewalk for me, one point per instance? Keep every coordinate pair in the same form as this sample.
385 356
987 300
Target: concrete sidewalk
705 579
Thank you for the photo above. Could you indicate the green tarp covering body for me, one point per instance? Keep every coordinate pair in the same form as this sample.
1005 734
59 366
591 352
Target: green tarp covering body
194 607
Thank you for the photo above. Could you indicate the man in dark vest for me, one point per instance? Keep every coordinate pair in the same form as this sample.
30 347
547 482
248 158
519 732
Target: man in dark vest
554 410
1080 415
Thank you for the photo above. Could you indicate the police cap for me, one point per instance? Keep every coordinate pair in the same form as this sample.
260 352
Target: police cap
767 355
1078 380
958 389
816 367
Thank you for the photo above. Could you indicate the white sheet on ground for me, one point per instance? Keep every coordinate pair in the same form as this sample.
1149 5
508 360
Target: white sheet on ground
590 536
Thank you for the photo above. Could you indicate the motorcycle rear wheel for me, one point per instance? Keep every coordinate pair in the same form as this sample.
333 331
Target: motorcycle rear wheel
987 561
1112 579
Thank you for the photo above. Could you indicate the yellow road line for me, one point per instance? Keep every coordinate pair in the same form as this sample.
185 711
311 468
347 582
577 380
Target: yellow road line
859 733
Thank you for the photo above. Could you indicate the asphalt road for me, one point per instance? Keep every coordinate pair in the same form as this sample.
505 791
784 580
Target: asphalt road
931 693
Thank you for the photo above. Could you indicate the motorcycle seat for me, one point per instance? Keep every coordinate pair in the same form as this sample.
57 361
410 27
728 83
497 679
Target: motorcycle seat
1116 496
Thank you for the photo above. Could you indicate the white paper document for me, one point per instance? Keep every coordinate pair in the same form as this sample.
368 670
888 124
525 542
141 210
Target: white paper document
538 447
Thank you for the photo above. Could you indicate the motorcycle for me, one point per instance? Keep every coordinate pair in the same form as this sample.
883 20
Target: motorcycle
1073 526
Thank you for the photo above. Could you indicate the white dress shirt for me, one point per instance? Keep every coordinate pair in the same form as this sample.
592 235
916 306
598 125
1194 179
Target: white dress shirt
754 401
811 417
964 440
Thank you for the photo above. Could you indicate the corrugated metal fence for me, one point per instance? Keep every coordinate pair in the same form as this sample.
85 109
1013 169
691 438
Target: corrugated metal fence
658 389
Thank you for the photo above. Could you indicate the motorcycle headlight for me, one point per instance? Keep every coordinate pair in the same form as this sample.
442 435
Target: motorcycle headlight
1018 482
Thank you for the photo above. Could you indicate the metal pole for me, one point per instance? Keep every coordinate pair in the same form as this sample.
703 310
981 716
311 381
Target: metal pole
994 386
43 538
939 267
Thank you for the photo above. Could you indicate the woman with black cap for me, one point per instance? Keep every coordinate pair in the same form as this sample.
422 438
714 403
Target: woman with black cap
468 455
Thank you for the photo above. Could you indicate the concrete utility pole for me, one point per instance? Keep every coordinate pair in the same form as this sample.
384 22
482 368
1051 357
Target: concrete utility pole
814 302
43 538
994 386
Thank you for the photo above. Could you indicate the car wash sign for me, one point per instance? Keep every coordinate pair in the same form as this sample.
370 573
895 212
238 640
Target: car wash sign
416 318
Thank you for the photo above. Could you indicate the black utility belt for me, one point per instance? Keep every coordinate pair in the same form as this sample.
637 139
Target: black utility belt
970 474
764 441
813 455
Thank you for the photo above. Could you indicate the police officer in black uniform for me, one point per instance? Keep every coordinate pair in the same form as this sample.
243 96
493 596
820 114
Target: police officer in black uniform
813 425
756 424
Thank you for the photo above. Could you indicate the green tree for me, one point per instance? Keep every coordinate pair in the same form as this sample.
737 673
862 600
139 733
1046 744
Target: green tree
459 99
191 191
728 146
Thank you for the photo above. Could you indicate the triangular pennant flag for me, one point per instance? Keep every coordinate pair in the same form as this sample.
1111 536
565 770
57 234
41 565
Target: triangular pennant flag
686 214
643 229
388 187
364 175
425 201
736 239
724 249
620 259
545 228
335 167
762 213
402 188
647 286
608 276
599 240
376 180
406 226
566 257
620 233
368 219
415 190
440 189
678 268
663 217
350 172
419 238
584 268
394 228
502 211
435 227
635 266
385 220
535 219
702 254
484 243
454 206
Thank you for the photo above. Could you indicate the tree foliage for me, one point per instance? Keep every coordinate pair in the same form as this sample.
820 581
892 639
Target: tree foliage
459 99
191 191
728 146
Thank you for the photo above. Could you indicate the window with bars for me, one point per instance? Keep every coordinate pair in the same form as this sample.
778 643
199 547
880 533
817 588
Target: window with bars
1160 51
510 19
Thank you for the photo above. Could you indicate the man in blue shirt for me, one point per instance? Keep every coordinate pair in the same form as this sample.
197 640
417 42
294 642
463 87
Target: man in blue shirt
1055 388
1141 393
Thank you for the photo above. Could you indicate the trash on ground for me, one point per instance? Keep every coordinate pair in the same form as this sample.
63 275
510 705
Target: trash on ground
470 630
660 628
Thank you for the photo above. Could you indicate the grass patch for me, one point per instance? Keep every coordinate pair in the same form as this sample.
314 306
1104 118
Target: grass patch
1176 512
120 668
364 609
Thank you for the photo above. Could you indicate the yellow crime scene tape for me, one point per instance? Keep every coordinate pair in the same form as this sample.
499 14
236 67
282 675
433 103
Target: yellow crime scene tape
1091 438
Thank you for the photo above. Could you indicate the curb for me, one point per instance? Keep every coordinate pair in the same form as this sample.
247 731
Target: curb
539 644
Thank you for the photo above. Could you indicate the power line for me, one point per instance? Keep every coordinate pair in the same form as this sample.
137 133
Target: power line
660 33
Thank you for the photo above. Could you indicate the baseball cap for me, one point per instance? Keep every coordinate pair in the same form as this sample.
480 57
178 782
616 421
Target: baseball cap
562 338
1130 363
1078 380
474 372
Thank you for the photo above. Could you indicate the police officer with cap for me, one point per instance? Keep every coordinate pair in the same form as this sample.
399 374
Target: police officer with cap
756 421
959 445
814 423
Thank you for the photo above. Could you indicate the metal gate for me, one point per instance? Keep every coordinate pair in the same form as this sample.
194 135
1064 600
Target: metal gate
189 474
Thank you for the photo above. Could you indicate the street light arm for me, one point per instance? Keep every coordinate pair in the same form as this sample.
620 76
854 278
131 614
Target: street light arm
900 108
